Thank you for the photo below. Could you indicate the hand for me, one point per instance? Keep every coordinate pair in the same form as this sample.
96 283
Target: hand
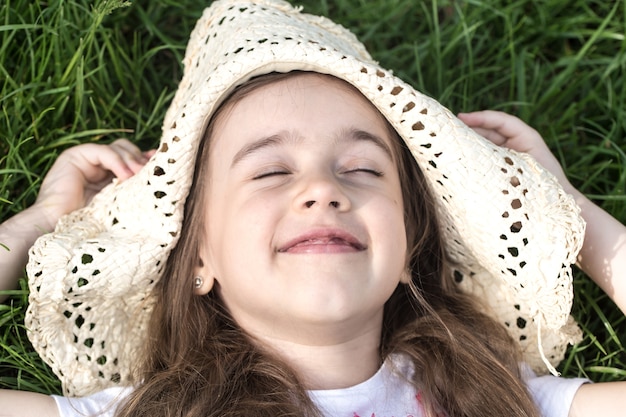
81 172
510 132
75 177
603 255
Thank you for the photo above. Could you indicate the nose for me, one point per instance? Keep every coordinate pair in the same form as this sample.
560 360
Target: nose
311 203
322 192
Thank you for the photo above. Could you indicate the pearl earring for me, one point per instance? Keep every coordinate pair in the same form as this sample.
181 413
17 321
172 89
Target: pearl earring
198 281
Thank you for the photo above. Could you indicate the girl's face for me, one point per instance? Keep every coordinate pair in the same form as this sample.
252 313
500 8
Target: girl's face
304 210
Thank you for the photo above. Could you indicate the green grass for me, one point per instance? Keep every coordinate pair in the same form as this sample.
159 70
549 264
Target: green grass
92 71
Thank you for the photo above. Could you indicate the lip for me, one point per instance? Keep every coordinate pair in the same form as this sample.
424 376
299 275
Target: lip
325 240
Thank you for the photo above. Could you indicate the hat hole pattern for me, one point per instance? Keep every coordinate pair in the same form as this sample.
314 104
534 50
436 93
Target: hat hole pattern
513 236
516 215
77 312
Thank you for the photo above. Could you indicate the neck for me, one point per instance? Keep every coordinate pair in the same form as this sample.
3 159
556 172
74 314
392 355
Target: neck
332 360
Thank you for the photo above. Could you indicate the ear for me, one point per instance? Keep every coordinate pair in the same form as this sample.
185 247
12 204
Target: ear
406 275
204 271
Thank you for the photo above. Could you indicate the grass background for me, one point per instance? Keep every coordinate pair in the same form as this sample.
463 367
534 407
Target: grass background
92 71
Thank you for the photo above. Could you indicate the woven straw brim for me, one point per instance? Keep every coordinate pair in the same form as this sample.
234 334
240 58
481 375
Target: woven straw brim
512 232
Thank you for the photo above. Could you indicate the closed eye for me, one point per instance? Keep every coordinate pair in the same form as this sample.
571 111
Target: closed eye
269 174
374 172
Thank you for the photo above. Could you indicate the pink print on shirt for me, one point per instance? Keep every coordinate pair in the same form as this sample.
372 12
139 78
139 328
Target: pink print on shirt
418 397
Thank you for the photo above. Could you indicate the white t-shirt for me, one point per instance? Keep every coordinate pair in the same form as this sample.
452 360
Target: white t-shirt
383 395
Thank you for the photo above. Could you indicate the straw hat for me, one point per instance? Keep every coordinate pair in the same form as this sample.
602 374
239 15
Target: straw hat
509 227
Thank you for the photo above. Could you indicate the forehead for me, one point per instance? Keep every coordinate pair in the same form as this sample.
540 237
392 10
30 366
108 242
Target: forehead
273 100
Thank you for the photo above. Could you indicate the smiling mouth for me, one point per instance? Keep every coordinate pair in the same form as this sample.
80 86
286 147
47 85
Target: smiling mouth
324 244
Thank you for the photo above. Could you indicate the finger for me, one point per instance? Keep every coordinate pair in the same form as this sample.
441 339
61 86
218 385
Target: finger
516 134
100 159
491 135
150 153
134 158
128 146
488 119
476 121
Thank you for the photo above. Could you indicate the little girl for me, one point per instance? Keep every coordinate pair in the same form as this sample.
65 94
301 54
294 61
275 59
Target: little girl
341 251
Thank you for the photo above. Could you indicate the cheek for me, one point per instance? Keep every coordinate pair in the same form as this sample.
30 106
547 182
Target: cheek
239 231
399 226
394 213
390 231
399 235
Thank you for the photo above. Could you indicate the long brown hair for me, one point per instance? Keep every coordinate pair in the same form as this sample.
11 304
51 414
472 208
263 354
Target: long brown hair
199 362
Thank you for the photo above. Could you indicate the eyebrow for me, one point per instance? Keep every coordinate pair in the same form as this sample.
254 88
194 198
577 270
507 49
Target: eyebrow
265 142
357 134
281 138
